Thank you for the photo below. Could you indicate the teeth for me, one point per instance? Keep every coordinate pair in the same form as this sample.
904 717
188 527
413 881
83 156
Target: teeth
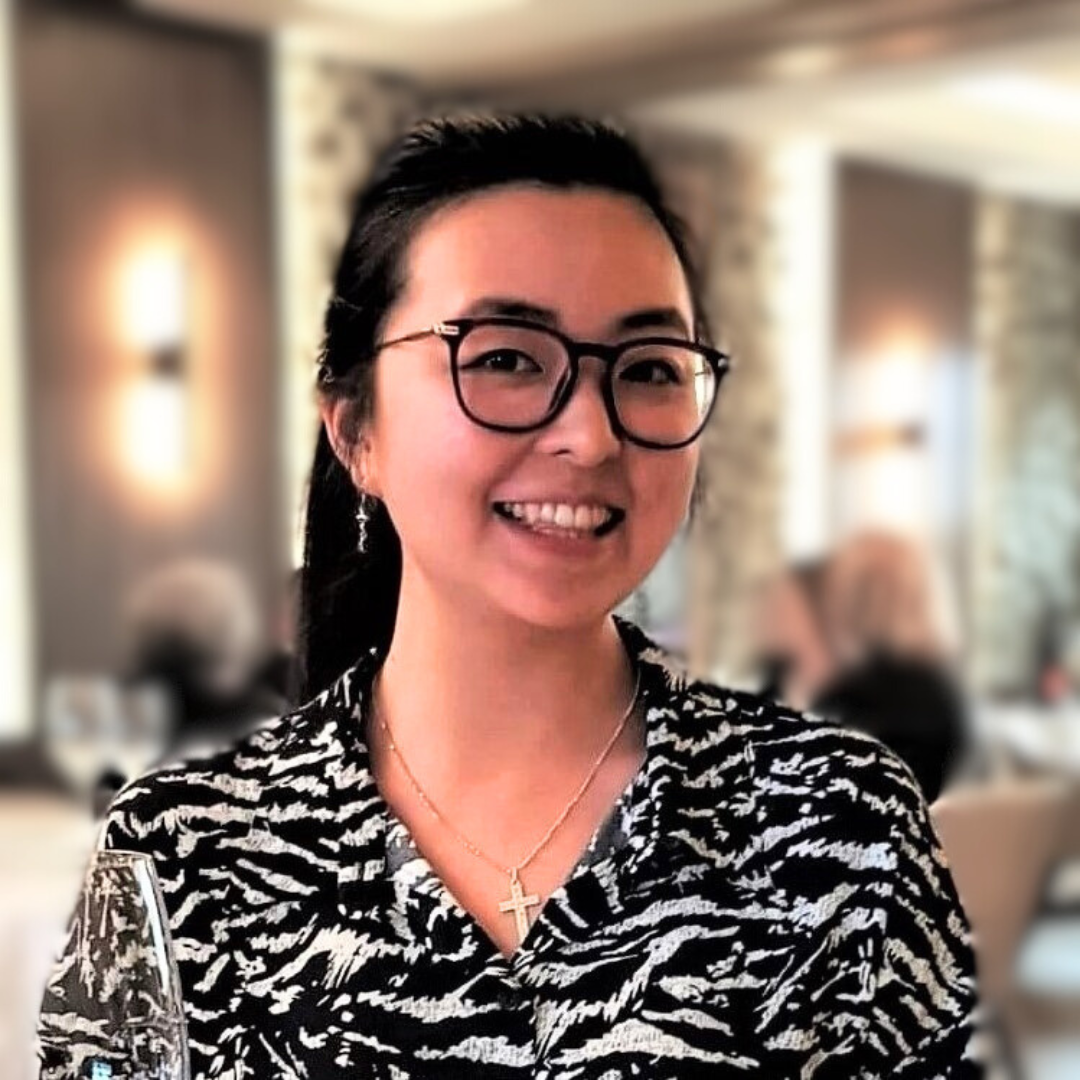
559 515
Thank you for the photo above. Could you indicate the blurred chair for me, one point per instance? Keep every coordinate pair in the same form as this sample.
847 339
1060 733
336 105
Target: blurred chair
1000 839
1048 963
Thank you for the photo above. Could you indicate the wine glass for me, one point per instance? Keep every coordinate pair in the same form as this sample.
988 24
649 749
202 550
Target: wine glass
82 714
147 725
112 1007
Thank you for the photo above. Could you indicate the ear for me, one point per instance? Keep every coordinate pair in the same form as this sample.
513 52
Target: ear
354 453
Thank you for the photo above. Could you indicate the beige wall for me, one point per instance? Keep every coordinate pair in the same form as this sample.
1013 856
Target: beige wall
131 132
905 260
905 366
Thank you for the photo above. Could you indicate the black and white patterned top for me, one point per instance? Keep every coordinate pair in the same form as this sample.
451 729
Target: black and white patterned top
768 900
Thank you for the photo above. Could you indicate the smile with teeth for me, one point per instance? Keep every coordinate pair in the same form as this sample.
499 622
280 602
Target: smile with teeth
561 517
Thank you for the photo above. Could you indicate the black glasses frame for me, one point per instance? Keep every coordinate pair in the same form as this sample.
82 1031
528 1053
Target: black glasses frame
453 331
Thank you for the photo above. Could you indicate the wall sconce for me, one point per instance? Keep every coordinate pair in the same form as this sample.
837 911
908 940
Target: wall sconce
882 420
155 313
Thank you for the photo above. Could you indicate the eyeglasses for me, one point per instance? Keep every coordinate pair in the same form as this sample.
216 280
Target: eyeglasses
514 375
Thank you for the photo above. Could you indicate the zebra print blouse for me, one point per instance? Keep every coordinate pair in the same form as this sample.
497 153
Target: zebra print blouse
767 900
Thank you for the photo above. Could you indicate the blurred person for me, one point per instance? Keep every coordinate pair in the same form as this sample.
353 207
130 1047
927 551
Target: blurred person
856 638
194 643
508 836
893 676
193 627
1054 682
880 597
793 650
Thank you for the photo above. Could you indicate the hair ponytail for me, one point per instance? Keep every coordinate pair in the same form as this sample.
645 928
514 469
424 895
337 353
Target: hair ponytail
348 600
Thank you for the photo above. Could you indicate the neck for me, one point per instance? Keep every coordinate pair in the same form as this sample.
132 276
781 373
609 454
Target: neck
475 696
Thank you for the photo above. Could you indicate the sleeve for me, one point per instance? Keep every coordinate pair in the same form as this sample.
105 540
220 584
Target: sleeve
926 1022
179 817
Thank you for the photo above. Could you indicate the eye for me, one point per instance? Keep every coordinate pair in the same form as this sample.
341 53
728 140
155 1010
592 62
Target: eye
504 361
655 371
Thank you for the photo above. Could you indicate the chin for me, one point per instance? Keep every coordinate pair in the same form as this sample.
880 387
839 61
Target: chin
577 610
563 614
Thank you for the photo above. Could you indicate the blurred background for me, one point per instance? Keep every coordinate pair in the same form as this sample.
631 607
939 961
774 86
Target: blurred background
886 197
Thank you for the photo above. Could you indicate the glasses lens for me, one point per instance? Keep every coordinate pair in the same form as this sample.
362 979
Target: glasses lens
509 375
663 392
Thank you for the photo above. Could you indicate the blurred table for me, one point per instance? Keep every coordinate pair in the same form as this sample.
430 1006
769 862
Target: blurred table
45 842
1034 736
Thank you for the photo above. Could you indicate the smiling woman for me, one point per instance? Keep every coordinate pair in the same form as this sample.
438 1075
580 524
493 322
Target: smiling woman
508 836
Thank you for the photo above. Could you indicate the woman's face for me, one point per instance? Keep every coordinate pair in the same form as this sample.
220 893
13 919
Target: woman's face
590 264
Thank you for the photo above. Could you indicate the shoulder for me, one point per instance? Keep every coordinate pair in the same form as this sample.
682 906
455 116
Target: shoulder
836 814
831 832
811 784
843 837
790 767
829 785
777 741
203 799
786 750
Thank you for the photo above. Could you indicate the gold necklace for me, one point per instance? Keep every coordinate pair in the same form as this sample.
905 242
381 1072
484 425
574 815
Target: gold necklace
518 902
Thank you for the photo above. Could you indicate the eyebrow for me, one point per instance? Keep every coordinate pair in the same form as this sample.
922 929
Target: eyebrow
658 318
510 308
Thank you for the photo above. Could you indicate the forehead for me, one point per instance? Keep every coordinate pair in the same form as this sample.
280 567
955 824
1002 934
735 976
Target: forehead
588 255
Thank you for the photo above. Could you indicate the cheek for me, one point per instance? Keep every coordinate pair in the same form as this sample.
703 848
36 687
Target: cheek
664 484
429 456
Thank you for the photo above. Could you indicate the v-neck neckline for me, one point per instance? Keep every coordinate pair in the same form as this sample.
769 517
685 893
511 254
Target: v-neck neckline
409 870
383 834
360 820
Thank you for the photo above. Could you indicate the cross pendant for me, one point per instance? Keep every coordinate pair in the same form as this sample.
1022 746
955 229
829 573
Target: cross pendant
518 904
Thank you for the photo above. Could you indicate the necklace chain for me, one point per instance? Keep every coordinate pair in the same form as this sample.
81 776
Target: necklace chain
464 841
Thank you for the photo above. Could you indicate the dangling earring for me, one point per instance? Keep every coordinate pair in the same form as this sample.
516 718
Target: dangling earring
363 516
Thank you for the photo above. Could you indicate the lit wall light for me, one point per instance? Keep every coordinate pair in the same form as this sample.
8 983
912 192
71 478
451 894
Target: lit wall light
883 413
156 323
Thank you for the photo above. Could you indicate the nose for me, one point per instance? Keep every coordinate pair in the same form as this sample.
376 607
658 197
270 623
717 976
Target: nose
583 429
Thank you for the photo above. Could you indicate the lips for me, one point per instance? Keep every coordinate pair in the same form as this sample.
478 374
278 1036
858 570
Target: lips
574 519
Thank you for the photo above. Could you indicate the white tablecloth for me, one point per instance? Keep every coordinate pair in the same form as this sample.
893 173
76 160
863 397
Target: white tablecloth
1047 739
44 845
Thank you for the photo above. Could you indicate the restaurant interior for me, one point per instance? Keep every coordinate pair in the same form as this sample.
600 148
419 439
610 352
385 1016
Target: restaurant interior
885 199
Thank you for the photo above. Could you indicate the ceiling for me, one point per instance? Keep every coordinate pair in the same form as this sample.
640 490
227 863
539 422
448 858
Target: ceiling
1002 118
478 43
987 91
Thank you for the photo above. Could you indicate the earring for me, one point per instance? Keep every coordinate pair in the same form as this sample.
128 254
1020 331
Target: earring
363 516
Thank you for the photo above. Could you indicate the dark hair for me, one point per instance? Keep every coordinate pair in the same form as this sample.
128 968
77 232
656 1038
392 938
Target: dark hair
349 601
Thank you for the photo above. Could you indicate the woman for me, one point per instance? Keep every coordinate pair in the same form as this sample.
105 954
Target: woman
512 839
